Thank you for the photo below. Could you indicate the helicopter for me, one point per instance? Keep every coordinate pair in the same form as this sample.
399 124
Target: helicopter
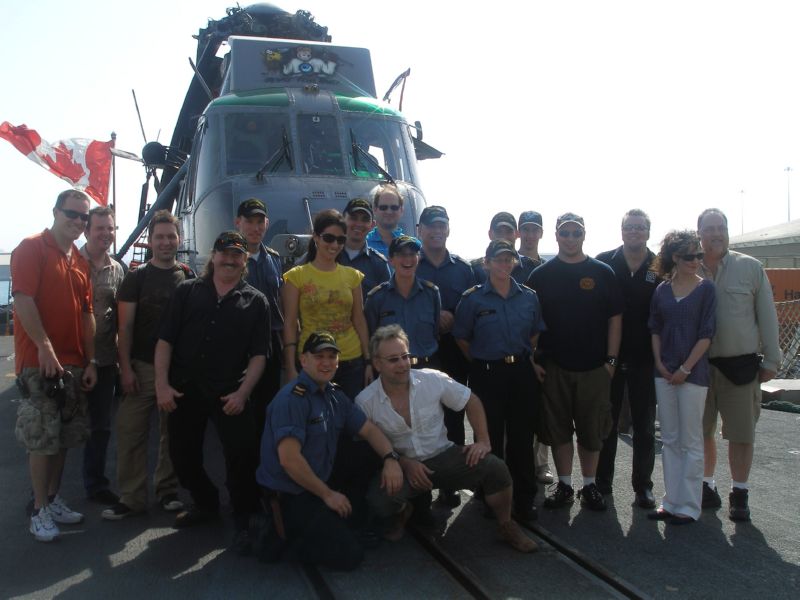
284 116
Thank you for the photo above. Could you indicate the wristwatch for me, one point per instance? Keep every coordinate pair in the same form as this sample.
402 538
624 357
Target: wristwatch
393 455
612 360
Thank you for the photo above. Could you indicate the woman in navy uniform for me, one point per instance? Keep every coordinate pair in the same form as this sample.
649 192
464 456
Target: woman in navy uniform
408 301
497 326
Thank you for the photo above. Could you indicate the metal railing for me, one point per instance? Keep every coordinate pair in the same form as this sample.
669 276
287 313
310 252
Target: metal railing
789 338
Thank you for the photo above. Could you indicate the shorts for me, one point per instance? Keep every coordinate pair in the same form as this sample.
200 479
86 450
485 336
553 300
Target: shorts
738 405
575 402
44 429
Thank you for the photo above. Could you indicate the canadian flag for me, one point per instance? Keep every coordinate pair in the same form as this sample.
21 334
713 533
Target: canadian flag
86 164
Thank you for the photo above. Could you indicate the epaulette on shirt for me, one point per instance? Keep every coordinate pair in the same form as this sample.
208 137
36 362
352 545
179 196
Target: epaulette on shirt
273 252
299 389
472 289
457 258
476 262
376 288
527 287
378 253
429 284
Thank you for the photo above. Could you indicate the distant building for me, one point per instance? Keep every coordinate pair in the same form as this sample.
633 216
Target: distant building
777 247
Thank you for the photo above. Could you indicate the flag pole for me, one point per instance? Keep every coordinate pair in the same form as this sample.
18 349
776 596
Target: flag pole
114 186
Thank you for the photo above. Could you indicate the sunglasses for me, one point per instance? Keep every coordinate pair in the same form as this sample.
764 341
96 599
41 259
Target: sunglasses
74 214
576 233
395 359
392 207
691 257
636 227
329 238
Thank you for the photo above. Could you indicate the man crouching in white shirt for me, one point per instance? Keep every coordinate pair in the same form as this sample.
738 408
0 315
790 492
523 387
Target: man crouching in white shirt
407 406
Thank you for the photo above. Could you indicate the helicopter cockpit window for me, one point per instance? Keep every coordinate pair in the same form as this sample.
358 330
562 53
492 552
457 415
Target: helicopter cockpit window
380 144
251 139
319 142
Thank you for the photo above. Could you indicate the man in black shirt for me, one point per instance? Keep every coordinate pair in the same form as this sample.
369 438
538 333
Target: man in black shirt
632 264
582 307
215 328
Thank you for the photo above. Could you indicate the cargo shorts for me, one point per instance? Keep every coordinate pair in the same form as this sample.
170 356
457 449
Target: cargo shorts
47 424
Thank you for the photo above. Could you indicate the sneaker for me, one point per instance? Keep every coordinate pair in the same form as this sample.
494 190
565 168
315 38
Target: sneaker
118 512
511 533
591 497
711 497
62 513
106 497
170 503
42 526
562 495
739 510
544 474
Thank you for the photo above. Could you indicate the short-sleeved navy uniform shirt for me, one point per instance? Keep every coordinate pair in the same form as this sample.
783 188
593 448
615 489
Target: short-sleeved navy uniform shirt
265 273
496 327
371 263
577 301
315 417
213 339
418 314
520 274
453 277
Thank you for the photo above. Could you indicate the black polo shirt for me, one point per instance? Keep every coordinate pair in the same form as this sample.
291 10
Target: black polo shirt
213 339
637 290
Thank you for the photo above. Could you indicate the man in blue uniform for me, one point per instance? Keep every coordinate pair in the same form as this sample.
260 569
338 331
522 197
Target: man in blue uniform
582 306
356 253
408 301
264 272
632 265
503 226
297 453
453 276
388 204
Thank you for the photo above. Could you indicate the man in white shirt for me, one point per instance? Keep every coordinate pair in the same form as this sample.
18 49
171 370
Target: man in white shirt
407 406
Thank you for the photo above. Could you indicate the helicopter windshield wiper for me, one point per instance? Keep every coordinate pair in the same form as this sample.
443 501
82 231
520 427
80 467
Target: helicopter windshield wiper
281 154
358 152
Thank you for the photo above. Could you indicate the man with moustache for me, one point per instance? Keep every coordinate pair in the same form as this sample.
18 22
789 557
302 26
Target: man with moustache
388 204
106 275
582 306
357 253
215 328
632 265
141 299
453 276
54 355
747 327
298 449
264 272
503 226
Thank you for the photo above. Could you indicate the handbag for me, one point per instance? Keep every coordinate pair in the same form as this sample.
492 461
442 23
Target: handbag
739 370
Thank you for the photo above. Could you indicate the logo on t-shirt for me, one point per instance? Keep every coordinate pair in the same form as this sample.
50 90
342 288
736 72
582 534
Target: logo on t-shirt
651 277
587 283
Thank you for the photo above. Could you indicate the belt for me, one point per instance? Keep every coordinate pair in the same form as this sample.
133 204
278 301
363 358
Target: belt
510 359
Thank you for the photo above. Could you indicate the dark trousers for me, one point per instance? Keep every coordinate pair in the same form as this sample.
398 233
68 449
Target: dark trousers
510 397
639 380
187 428
269 384
454 364
316 535
100 401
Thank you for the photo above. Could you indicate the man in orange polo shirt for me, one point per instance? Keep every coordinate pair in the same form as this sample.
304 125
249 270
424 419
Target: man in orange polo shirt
54 346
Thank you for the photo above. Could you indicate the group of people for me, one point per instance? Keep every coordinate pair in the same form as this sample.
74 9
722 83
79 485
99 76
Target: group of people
375 337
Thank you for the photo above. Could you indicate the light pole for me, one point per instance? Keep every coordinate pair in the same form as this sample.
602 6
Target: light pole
788 194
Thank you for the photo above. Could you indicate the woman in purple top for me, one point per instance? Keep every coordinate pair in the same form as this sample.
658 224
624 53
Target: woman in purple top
682 324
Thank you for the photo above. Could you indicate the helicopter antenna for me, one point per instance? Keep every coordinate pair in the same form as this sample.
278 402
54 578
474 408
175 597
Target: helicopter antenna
139 114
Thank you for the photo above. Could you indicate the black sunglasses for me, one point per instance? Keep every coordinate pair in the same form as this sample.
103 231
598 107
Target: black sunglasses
691 257
395 359
329 238
392 207
576 233
74 214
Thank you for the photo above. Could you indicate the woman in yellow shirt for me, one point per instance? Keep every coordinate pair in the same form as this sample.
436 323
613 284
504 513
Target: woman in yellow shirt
326 296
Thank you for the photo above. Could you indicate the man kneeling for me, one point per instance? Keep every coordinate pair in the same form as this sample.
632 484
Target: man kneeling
298 448
407 406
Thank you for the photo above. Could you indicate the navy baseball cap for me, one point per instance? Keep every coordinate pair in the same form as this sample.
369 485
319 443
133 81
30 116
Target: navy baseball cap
530 216
503 218
402 242
358 204
498 247
230 240
569 218
251 207
319 341
434 214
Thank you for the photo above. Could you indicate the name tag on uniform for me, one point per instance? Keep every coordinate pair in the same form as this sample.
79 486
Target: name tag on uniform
488 311
388 313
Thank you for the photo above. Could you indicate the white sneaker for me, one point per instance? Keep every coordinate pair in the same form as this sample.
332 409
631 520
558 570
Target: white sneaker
42 526
62 513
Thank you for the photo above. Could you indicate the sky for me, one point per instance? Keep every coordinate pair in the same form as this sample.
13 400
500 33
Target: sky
584 106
